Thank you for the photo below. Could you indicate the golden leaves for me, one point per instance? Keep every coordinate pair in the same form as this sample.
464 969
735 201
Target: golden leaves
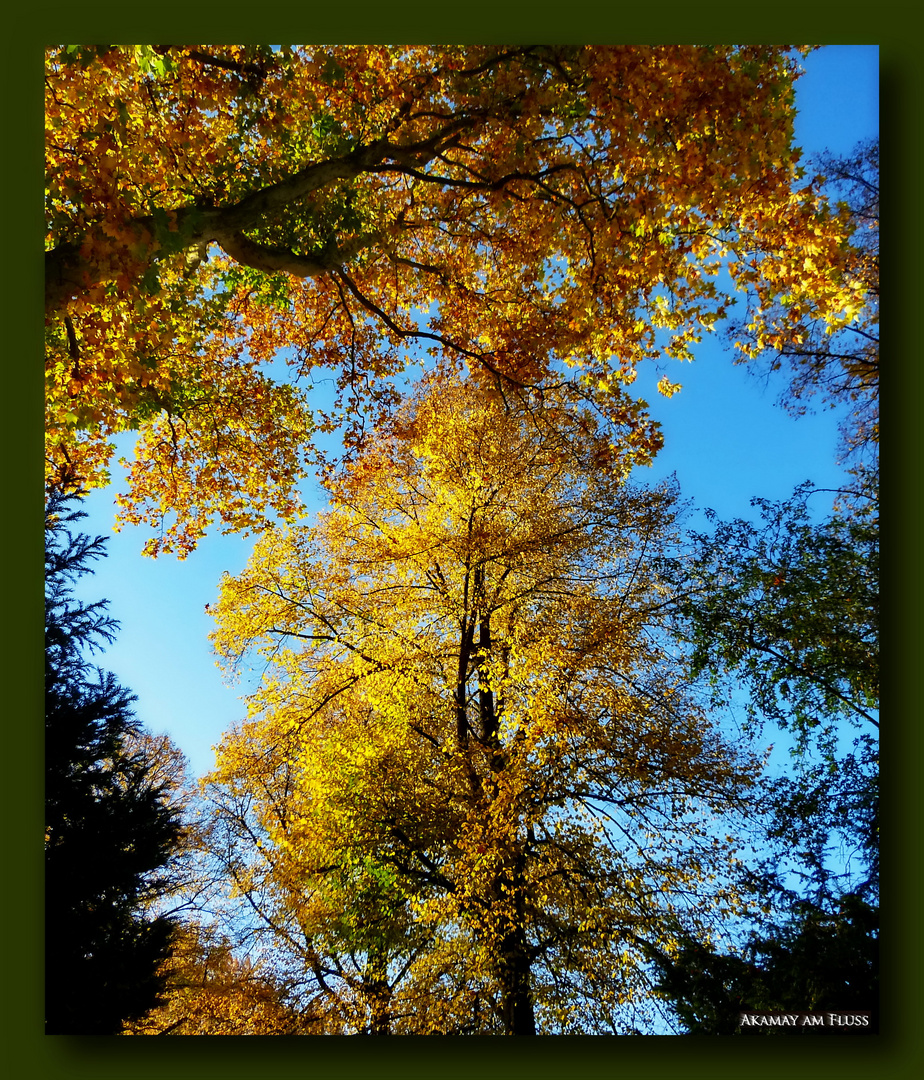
528 217
667 388
464 688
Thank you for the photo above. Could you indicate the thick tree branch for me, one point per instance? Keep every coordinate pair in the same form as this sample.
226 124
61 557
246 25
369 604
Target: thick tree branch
69 273
255 72
272 260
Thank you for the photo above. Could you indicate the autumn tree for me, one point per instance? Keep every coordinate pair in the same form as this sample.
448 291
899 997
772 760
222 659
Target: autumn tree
209 990
536 215
210 985
333 920
472 739
109 827
838 366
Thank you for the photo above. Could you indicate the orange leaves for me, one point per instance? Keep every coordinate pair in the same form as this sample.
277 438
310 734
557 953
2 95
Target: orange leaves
234 447
517 211
211 991
826 284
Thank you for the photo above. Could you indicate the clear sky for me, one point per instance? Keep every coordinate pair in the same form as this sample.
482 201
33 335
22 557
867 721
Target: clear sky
725 438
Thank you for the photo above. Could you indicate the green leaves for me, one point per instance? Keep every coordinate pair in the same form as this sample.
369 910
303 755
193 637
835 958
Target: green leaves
175 232
792 606
84 55
782 619
151 280
332 73
154 62
821 958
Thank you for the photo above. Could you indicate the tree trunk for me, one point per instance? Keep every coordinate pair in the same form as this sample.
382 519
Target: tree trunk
377 992
514 967
517 1010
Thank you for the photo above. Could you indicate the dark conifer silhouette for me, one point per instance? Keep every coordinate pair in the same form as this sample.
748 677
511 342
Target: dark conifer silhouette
109 826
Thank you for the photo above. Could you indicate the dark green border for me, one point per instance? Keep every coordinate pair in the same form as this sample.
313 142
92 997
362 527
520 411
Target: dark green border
30 1052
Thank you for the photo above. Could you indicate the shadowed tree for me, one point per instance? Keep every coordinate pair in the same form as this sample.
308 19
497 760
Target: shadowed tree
109 828
819 959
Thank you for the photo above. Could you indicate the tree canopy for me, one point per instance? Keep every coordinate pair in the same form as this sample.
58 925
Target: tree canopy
474 774
841 369
538 216
484 786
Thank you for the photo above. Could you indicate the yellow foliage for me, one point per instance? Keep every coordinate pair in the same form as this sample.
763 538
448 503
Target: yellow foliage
469 729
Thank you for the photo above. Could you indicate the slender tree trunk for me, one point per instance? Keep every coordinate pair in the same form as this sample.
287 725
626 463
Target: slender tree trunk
516 999
514 966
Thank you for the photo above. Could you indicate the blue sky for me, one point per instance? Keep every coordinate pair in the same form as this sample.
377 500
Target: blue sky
725 438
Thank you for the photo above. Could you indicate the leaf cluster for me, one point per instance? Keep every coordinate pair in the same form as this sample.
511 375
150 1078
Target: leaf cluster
537 215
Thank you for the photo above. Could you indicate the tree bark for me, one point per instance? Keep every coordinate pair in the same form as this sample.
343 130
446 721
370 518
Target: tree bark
517 1010
514 970
377 991
69 273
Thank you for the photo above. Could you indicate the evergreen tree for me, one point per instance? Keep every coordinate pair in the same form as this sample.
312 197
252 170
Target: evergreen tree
821 959
109 827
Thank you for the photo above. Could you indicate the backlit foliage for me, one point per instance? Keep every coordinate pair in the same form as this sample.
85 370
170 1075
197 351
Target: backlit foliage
474 781
838 364
210 991
538 216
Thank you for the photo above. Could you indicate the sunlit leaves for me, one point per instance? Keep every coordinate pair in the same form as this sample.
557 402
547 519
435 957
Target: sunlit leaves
468 726
834 355
524 212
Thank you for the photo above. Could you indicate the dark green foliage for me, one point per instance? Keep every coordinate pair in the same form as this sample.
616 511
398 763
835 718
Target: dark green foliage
785 615
822 959
793 609
783 618
109 828
827 814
